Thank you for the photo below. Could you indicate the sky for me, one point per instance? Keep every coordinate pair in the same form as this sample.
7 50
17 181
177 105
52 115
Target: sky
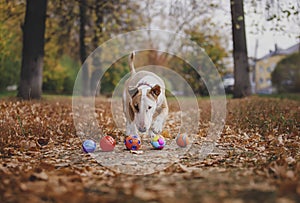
268 38
267 41
255 20
259 30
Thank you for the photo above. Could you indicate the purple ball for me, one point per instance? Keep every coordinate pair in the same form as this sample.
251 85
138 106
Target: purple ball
161 141
89 146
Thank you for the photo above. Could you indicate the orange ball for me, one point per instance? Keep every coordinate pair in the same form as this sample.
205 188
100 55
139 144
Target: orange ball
107 143
133 142
182 140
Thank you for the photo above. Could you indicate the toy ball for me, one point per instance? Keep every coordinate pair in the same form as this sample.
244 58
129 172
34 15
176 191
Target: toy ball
89 146
158 142
107 143
182 140
133 142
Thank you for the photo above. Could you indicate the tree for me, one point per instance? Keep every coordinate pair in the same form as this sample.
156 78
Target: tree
33 50
242 86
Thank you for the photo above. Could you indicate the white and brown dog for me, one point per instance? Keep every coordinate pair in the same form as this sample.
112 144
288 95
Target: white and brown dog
144 102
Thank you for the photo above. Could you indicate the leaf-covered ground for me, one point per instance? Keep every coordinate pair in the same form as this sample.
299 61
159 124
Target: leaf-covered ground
257 157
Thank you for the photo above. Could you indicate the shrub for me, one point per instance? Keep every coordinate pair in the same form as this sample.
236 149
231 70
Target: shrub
286 75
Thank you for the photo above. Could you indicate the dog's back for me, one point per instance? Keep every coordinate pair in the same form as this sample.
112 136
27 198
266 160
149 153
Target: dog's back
148 77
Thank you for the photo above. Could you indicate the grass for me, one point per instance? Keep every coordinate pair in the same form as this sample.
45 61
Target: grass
292 96
51 96
46 95
7 94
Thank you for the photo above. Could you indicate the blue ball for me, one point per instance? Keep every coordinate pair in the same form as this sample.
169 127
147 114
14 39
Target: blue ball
89 146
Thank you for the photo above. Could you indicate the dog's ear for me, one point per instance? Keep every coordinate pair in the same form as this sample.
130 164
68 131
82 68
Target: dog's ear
155 91
132 90
131 112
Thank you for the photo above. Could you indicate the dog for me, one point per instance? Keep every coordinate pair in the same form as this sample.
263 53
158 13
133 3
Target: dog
144 102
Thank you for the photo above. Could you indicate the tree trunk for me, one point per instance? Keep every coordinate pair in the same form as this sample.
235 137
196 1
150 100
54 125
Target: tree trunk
242 86
33 50
82 47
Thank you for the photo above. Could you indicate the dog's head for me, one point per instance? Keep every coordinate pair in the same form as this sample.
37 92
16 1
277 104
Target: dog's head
143 105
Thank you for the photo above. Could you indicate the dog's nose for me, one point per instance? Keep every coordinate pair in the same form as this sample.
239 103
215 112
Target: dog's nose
142 129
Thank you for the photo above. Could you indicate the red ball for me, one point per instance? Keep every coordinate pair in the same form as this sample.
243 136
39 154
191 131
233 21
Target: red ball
107 143
133 142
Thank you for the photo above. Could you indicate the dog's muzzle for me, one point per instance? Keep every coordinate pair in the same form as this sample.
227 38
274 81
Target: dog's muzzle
142 129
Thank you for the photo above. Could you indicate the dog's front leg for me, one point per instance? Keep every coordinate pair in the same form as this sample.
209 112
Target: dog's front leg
130 128
159 119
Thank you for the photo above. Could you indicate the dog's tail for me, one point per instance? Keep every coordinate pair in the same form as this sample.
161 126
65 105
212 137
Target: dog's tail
131 62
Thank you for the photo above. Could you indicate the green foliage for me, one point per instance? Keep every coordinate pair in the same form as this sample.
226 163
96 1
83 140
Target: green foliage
286 76
61 30
189 74
10 61
290 96
10 41
60 78
105 19
62 38
212 44
7 94
113 75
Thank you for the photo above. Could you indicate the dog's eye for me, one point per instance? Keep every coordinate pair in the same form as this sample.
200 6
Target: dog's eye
149 107
136 106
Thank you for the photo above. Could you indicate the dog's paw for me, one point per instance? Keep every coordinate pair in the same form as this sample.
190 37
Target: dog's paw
151 134
157 126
